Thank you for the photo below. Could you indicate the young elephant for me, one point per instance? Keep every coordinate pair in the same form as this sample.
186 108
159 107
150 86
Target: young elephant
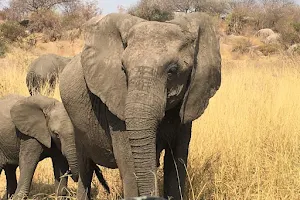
45 70
34 128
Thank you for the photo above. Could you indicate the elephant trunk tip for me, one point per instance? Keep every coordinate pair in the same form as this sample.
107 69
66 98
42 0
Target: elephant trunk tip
74 176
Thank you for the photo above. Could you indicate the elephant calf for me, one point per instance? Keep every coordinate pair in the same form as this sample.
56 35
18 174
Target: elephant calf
34 128
45 70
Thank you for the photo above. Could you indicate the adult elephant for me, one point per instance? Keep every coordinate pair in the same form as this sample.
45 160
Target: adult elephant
44 71
135 90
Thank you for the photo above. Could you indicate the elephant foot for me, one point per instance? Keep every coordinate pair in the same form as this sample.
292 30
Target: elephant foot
19 197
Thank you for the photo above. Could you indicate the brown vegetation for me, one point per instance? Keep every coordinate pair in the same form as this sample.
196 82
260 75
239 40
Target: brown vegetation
246 144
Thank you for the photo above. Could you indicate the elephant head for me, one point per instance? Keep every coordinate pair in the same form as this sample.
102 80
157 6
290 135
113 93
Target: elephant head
140 69
46 120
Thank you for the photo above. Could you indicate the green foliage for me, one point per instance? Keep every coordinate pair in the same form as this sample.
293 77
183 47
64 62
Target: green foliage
3 47
297 50
12 31
160 15
151 11
296 26
288 30
290 37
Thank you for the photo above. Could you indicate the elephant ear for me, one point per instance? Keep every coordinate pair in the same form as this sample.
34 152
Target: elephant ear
29 116
205 78
105 42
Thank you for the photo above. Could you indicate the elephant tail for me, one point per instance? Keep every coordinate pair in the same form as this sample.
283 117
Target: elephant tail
33 83
101 179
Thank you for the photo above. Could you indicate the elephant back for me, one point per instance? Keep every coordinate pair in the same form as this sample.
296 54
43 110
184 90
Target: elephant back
48 64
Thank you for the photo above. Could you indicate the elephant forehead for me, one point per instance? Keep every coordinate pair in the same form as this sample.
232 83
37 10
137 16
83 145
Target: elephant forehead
158 31
150 40
148 57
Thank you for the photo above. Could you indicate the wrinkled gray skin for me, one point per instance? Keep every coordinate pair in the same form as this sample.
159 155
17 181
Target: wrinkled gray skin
135 90
45 69
33 128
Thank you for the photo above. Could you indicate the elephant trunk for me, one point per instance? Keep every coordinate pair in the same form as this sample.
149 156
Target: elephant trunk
72 159
143 111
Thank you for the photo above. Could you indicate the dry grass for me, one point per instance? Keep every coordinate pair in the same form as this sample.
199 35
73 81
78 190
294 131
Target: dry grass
245 146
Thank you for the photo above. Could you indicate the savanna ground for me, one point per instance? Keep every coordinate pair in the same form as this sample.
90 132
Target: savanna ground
245 146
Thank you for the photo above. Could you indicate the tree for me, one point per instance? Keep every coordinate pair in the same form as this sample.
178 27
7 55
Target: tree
86 9
36 5
18 9
77 13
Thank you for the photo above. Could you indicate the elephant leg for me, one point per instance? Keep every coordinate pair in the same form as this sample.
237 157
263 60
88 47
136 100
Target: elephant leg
85 178
175 162
29 156
60 167
11 180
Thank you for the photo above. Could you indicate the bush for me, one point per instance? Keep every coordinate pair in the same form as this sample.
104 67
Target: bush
281 16
72 21
297 51
151 11
289 37
235 23
51 35
44 19
239 19
242 46
12 31
3 47
296 26
269 49
294 49
28 42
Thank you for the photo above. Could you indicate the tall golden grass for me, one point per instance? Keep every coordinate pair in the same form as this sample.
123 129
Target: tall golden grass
245 146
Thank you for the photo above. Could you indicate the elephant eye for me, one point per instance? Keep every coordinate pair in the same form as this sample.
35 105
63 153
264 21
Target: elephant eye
172 69
56 134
